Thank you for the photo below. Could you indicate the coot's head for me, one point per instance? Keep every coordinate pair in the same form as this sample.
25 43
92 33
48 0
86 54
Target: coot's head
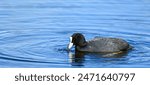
77 39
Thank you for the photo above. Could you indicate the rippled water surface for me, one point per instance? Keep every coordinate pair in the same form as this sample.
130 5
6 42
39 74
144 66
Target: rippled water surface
35 33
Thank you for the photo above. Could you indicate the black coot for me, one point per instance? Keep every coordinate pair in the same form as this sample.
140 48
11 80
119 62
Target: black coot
98 44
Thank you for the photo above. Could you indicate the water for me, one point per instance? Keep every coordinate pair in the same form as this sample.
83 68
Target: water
35 33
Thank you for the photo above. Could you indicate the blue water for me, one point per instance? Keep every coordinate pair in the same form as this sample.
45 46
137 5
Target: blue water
35 33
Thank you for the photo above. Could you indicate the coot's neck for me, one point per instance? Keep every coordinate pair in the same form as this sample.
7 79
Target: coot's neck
81 46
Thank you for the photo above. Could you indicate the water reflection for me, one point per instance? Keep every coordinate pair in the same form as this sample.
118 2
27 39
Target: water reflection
77 58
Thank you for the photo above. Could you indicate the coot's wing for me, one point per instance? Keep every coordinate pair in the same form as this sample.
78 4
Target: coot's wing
100 44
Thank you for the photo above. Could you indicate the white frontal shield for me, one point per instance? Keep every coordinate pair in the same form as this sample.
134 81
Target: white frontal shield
70 44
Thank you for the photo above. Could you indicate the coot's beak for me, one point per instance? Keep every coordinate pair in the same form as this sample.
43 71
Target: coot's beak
70 44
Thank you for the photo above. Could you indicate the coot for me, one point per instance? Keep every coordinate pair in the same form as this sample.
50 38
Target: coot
98 44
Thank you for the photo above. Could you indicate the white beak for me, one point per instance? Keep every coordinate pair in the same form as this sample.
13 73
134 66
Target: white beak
70 44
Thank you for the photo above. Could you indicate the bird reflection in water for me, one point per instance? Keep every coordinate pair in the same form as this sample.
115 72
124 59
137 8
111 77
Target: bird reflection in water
77 58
